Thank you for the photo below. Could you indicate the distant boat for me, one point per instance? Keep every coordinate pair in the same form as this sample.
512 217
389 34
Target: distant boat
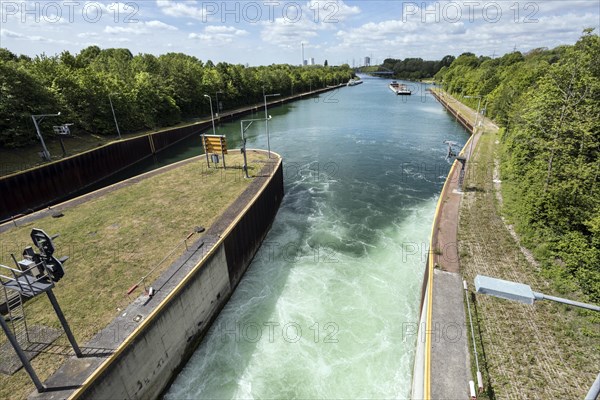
354 82
400 89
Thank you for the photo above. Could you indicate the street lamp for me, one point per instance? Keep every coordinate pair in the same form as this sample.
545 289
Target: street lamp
243 130
475 128
520 292
267 119
36 120
114 115
478 105
524 294
212 116
218 106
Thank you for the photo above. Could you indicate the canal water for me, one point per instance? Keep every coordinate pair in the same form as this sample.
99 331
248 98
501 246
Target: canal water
328 306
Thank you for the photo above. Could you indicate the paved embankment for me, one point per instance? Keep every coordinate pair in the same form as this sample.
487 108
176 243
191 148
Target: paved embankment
525 352
447 363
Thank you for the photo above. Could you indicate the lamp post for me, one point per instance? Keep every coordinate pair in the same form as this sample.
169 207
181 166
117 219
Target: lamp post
243 130
217 97
478 105
520 292
475 128
36 120
114 115
524 294
267 119
212 116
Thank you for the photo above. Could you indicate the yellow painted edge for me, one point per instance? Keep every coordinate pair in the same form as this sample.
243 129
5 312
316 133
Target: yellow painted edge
427 372
87 383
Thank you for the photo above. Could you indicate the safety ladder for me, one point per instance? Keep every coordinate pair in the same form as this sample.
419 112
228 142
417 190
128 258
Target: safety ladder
16 312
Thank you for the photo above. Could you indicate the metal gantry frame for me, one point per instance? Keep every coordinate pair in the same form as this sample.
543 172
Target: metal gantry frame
113 113
212 115
243 130
267 119
36 120
35 274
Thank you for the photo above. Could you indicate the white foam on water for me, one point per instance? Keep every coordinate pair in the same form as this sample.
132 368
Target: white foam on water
318 319
325 309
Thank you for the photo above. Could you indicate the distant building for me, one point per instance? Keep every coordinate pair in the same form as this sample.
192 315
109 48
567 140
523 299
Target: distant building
367 61
305 62
312 61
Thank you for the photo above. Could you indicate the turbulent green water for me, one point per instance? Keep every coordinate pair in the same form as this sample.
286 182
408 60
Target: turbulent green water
322 310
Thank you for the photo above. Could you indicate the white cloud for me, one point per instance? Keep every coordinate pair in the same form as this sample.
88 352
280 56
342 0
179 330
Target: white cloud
217 35
336 30
85 35
452 28
219 29
10 34
330 11
119 40
181 9
160 25
31 38
140 28
315 17
121 30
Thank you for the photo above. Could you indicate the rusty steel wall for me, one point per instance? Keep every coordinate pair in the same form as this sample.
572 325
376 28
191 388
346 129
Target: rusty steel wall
52 183
164 139
49 184
246 237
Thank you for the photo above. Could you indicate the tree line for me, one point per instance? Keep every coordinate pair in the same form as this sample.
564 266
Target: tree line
147 91
547 102
411 68
416 68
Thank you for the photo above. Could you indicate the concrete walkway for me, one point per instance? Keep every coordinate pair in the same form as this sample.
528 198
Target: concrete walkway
450 362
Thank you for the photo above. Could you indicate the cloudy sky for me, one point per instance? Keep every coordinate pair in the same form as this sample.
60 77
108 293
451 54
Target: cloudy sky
269 31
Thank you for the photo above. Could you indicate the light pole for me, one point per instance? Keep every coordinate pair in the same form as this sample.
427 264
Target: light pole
114 115
267 119
475 128
217 97
524 294
243 130
520 292
212 116
478 105
36 120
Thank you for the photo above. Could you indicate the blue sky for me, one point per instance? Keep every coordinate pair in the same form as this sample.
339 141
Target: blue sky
268 31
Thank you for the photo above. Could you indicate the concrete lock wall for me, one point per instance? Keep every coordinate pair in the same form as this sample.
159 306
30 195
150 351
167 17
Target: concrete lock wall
145 363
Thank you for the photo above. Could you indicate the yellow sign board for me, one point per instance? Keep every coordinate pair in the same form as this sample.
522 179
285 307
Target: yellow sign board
214 144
